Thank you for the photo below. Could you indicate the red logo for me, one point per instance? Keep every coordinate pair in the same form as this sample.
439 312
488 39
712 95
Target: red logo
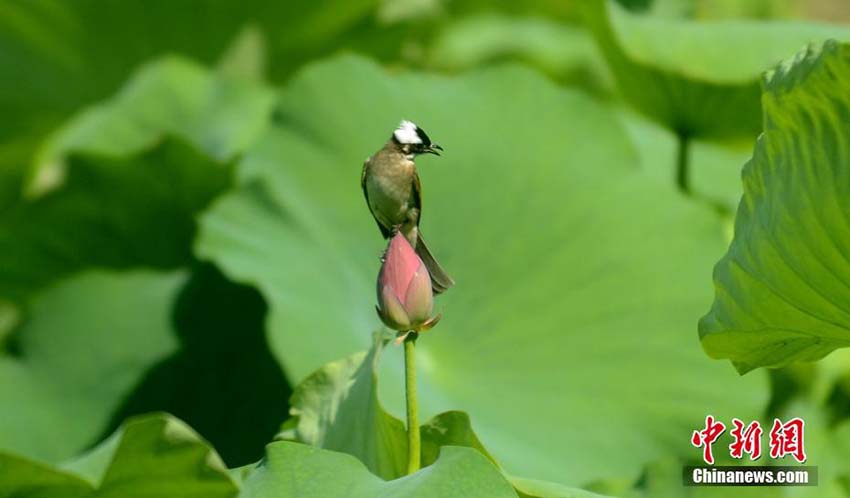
785 439
707 437
746 440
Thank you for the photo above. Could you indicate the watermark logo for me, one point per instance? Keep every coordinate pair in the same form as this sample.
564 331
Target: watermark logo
750 476
747 440
784 439
706 438
787 439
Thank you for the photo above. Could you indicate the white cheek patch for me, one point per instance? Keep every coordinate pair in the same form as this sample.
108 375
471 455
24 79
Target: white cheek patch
406 133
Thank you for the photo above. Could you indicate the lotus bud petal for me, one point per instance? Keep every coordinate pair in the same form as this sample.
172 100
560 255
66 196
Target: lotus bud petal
419 300
405 297
391 311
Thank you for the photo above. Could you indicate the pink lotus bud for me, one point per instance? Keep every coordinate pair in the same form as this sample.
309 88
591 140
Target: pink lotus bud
405 300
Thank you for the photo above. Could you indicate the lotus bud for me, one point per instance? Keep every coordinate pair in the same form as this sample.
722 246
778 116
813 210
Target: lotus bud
405 299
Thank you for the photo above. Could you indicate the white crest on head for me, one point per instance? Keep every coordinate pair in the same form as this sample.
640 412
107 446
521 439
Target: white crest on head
406 133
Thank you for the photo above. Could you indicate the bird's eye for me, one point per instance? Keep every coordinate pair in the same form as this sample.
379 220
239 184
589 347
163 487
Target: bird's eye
423 137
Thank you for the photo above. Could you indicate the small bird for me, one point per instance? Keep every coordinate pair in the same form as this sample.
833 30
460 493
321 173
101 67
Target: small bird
394 195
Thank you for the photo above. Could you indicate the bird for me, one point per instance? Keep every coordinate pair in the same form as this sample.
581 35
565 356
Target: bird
393 193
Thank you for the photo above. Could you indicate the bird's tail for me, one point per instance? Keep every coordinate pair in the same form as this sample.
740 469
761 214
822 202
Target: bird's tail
440 280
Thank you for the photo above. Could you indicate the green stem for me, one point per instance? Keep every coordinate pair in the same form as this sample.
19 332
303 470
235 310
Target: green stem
412 404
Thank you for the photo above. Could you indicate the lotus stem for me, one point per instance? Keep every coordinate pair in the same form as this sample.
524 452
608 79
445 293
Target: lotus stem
413 443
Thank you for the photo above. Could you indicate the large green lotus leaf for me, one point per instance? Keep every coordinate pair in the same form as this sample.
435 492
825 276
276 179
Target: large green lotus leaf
293 470
24 478
217 113
134 168
697 78
209 346
109 212
10 317
577 274
14 166
222 349
65 55
155 455
781 289
133 172
538 8
87 341
756 9
337 408
70 53
565 52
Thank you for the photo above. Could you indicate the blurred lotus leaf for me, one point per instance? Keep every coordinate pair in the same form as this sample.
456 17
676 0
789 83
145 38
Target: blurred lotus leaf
156 455
61 56
119 184
119 187
59 390
565 52
117 213
680 72
67 55
217 113
578 274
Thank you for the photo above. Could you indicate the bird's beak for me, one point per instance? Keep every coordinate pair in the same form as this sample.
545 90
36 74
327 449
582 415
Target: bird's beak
433 149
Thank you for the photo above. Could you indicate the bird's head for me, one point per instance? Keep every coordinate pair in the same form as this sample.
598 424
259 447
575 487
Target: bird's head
413 140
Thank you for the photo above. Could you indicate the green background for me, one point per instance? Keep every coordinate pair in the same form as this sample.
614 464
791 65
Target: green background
187 264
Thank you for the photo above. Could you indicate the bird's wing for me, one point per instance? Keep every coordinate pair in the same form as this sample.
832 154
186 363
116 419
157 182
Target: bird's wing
363 181
417 196
384 231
